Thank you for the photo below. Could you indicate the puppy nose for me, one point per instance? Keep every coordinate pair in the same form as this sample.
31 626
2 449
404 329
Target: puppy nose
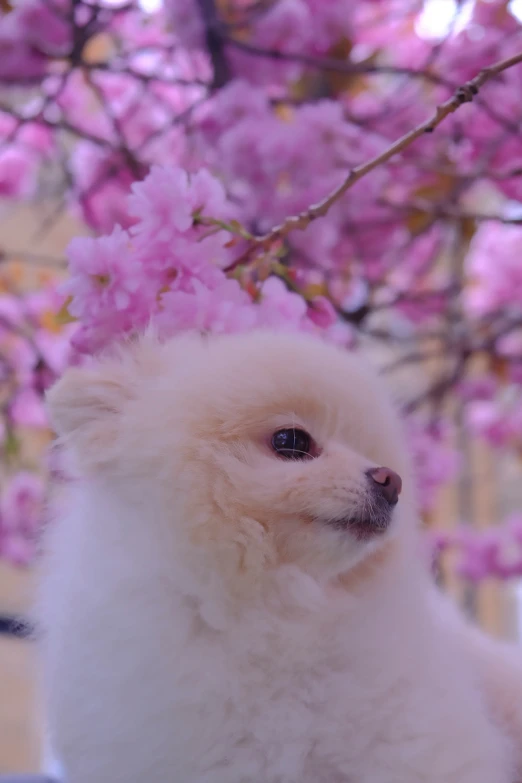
387 482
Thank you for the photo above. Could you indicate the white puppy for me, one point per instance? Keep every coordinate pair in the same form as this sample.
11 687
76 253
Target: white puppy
232 589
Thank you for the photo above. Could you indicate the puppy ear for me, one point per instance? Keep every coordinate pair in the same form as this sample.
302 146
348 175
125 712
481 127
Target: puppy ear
85 408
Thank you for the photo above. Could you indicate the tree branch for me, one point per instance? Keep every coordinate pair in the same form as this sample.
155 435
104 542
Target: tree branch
463 94
334 65
215 43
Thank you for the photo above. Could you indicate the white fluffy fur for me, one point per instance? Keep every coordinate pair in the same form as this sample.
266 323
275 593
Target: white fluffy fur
199 625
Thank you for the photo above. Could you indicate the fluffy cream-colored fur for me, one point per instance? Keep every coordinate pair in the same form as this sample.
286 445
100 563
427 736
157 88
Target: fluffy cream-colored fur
208 617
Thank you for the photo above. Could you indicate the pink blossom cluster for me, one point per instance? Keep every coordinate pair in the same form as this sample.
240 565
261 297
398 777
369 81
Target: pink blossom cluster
492 553
275 154
30 37
169 269
436 461
294 26
495 285
21 511
34 350
20 161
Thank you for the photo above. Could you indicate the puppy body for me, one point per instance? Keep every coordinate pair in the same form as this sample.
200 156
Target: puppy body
207 615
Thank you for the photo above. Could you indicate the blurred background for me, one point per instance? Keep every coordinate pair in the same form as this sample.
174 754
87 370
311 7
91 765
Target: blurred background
419 264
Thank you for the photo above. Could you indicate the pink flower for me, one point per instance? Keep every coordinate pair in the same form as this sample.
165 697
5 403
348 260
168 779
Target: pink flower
341 334
498 421
11 312
106 279
43 25
494 553
15 548
55 349
20 356
19 62
32 138
186 22
331 20
21 512
434 460
279 307
29 36
480 388
18 172
226 308
477 554
168 200
322 312
103 180
237 101
27 409
285 26
494 269
21 503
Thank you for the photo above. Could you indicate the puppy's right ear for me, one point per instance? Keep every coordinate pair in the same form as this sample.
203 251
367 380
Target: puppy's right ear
85 408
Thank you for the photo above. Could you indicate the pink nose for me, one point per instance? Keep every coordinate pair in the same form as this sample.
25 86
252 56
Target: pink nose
387 483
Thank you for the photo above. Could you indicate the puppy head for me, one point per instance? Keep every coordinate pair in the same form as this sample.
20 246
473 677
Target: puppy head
256 450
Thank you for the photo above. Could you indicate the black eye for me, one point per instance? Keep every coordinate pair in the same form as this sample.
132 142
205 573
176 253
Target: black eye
292 444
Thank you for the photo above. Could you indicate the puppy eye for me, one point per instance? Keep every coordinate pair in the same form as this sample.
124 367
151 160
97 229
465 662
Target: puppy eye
293 444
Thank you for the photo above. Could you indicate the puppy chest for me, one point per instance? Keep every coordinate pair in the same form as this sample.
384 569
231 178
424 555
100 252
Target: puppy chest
274 719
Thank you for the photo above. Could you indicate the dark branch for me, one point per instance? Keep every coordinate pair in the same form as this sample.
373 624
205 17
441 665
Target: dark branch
215 43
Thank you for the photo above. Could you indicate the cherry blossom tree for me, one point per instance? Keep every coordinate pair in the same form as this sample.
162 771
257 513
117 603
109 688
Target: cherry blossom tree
352 168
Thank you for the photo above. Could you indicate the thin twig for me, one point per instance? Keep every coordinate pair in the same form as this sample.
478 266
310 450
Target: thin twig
331 64
463 94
